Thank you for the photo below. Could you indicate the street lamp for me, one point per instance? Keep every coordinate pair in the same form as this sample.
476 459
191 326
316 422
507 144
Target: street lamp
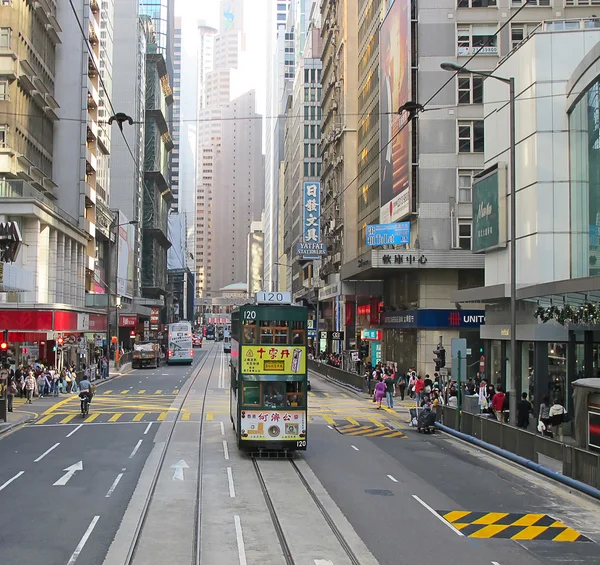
112 227
453 67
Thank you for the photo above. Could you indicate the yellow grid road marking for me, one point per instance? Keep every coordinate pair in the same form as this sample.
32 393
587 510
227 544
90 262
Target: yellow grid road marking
158 392
142 391
210 416
488 531
44 419
124 391
176 391
91 418
115 417
185 417
139 416
493 517
567 535
352 421
529 533
107 392
328 419
67 419
376 422
455 516
162 416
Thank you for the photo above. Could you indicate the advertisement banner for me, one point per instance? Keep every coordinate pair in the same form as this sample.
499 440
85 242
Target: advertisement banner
395 134
311 222
125 239
154 319
388 234
273 425
489 209
273 359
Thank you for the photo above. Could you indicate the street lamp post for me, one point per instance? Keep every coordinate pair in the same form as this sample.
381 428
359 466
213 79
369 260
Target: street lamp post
512 395
113 227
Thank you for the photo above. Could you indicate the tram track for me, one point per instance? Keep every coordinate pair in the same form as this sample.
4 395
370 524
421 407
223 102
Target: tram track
279 530
160 467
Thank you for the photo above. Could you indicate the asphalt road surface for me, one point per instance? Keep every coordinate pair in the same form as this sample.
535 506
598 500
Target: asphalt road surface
65 482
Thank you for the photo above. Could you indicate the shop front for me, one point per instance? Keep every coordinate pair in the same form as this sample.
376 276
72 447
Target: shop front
51 337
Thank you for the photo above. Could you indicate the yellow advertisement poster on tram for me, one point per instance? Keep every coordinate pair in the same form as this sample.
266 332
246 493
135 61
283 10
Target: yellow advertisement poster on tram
273 360
273 425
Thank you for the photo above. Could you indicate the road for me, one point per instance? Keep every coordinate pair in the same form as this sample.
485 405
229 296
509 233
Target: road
394 492
72 491
99 460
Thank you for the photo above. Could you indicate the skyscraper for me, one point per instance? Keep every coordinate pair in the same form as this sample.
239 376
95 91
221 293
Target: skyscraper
175 125
230 165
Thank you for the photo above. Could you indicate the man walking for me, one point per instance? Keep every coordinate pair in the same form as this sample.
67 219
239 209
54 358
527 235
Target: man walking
389 389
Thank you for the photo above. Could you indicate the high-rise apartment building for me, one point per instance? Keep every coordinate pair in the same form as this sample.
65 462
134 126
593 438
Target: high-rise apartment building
80 163
175 124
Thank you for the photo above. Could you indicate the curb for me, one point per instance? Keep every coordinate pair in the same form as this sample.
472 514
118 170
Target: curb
12 426
527 463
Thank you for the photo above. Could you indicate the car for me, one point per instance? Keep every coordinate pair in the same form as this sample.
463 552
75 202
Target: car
197 341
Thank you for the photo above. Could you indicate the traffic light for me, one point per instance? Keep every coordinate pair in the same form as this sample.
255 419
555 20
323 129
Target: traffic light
60 341
440 357
3 353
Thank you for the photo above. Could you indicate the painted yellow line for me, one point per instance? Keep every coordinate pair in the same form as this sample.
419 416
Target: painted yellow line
328 419
162 416
59 404
526 520
185 417
376 422
210 416
492 530
352 421
397 434
344 395
158 392
142 391
567 535
492 517
115 417
311 394
360 432
107 392
139 416
44 419
68 419
176 391
377 433
326 394
124 391
91 418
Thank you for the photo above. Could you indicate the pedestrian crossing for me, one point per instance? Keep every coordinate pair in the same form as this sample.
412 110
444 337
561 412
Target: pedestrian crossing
370 430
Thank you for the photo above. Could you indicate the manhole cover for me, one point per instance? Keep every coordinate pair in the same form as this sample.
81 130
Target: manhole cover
379 492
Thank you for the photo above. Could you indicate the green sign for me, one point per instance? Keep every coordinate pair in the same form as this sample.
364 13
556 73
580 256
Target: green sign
489 210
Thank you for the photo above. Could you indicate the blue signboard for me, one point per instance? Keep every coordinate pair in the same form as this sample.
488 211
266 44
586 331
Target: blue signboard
311 220
388 234
375 352
433 319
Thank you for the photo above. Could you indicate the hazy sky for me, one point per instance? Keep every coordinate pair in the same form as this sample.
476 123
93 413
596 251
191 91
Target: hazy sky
255 24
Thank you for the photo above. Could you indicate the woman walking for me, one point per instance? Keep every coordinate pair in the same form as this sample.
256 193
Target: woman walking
379 393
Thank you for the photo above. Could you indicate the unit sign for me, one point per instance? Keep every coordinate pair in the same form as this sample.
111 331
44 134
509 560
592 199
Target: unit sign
273 297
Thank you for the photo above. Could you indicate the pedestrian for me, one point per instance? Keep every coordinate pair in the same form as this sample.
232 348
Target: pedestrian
389 389
419 389
402 386
380 390
11 390
544 416
30 386
498 405
523 411
557 415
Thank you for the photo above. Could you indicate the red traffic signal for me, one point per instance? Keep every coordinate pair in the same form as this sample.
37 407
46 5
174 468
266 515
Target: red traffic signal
60 341
3 346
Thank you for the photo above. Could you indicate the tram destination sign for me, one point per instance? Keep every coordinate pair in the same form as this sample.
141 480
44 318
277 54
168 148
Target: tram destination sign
264 297
273 359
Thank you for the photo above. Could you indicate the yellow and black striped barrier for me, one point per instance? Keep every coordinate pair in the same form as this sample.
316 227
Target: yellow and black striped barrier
369 431
505 525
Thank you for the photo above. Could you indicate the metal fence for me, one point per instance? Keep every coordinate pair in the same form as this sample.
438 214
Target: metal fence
124 359
569 460
344 377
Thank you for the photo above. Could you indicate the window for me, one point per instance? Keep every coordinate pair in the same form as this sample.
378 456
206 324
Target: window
477 38
306 146
464 234
520 31
476 3
306 112
465 185
306 94
4 38
249 333
470 136
3 136
470 89
3 89
532 2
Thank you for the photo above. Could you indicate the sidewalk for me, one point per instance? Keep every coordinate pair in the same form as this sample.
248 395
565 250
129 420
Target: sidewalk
25 412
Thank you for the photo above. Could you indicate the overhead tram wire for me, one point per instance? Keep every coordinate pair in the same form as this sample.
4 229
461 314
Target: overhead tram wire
424 106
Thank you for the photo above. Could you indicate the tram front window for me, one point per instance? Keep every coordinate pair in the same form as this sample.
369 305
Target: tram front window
283 395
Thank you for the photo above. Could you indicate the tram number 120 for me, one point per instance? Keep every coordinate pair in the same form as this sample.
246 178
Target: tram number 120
301 443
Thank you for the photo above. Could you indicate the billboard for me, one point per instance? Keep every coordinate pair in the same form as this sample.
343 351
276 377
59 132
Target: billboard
271 425
311 220
395 135
273 360
489 209
125 241
232 15
388 234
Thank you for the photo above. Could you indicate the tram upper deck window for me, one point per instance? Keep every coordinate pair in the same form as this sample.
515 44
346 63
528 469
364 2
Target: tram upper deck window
249 333
298 331
273 332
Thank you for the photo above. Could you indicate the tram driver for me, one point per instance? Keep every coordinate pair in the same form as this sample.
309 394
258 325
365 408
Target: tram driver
273 395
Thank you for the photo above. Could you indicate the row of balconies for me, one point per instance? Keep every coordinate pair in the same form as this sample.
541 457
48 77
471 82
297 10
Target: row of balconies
33 85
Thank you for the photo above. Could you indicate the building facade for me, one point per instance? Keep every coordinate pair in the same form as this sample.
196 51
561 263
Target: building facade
176 115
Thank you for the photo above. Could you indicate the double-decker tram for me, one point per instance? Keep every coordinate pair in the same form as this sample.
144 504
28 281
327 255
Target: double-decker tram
268 403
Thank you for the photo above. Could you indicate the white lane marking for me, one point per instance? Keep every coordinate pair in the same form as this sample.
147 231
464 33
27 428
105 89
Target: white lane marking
330 427
83 540
137 446
225 449
426 506
46 452
114 485
323 562
392 478
354 447
11 480
495 563
230 481
71 433
222 428
240 540
147 428
178 472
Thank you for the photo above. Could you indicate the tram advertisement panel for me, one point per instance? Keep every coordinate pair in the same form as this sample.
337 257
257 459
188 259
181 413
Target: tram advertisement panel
273 360
273 425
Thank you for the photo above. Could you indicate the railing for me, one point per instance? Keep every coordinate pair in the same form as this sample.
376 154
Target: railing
350 379
568 460
124 359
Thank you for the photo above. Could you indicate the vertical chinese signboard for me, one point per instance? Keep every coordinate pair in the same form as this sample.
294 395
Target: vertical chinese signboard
154 319
310 245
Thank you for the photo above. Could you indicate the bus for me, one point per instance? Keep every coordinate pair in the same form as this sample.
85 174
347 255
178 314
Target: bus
180 345
210 332
268 400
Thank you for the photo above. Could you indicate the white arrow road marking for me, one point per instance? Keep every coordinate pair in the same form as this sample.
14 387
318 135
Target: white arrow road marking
179 467
70 471
83 540
323 562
